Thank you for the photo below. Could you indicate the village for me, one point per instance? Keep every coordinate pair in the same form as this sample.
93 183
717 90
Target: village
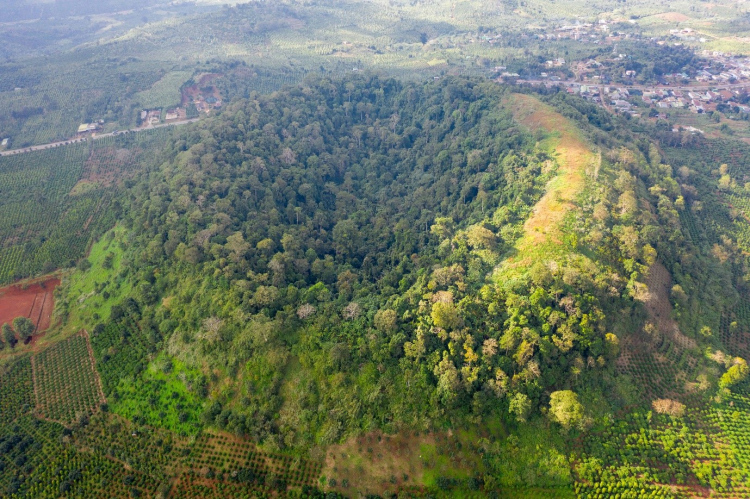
194 105
717 82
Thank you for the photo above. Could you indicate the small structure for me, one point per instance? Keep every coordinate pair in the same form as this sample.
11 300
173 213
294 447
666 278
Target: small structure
87 127
4 143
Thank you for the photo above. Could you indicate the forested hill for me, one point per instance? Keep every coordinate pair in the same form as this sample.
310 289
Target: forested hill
364 254
350 254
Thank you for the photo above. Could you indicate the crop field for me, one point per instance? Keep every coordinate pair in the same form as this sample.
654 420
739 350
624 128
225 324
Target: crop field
70 184
153 451
66 384
165 92
32 300
45 109
223 454
676 455
16 391
153 393
38 465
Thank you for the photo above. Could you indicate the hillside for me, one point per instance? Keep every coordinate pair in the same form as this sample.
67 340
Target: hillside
365 285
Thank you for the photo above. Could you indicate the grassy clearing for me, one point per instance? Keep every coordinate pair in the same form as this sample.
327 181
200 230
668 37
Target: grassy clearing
160 398
377 463
526 464
543 229
95 291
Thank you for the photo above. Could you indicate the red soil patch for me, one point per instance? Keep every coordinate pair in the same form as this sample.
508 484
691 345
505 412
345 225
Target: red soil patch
189 94
32 300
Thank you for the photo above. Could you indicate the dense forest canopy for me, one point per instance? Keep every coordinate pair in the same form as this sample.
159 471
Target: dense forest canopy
374 248
361 255
341 250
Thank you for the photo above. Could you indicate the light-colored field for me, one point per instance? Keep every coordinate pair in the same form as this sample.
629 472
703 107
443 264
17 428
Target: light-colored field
574 158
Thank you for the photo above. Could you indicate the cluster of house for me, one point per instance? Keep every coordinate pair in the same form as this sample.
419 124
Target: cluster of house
578 31
150 117
687 34
615 97
205 105
724 68
555 63
696 101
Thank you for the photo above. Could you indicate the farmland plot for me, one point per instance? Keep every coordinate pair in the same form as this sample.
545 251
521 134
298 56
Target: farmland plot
66 384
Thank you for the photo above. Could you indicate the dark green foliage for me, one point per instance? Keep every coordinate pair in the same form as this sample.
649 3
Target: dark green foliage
9 335
16 391
24 327
304 212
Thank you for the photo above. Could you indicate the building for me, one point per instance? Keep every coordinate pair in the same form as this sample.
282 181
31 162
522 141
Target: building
87 127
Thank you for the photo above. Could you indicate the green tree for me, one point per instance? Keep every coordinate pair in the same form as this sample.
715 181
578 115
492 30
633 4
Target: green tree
735 374
445 315
9 335
565 408
24 327
520 406
385 320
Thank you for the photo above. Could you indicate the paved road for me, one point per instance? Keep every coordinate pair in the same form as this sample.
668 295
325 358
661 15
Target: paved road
51 145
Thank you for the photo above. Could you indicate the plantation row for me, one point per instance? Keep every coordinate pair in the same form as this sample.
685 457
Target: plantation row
71 185
659 377
224 456
66 383
16 391
663 456
155 452
123 351
39 464
120 348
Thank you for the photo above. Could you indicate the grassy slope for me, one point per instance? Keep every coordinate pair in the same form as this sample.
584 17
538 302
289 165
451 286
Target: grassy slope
543 237
573 157
81 285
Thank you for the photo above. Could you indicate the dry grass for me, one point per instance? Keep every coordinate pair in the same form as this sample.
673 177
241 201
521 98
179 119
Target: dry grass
573 157
377 463
674 17
369 462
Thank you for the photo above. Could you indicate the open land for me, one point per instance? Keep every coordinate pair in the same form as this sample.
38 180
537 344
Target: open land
34 300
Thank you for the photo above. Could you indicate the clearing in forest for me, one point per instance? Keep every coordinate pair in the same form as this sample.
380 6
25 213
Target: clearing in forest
573 156
382 464
66 384
33 300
